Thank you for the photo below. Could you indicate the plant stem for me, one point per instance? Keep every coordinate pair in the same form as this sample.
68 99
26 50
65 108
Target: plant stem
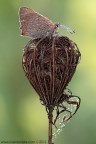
50 117
50 133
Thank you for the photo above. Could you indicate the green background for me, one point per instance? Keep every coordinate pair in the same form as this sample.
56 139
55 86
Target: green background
22 117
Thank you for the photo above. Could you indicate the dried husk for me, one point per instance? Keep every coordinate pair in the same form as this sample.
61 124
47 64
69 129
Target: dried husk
49 64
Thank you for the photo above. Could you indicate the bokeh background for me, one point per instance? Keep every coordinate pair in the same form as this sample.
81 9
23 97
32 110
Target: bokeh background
22 117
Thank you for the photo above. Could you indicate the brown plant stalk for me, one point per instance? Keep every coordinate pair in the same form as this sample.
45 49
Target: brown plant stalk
50 118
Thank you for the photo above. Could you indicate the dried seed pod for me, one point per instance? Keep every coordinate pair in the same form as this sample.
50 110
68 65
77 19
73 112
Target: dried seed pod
49 64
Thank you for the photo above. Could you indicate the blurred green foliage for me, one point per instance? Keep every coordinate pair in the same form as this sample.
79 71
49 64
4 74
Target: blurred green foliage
22 117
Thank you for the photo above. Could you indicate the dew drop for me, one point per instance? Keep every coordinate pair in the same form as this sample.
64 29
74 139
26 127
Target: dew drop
63 126
58 130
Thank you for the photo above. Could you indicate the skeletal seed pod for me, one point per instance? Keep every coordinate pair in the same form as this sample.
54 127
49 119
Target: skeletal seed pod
49 65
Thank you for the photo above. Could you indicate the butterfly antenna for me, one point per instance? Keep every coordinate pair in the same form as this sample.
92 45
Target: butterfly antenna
66 28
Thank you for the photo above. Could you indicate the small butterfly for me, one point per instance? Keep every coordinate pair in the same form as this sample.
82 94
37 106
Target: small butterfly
35 25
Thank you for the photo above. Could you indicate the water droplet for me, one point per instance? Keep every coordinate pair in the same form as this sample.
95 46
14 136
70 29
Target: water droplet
63 125
57 130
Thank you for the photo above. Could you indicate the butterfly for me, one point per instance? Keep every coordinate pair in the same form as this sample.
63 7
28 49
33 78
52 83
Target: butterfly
35 25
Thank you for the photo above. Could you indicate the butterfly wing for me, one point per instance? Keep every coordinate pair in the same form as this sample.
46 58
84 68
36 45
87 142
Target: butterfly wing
34 25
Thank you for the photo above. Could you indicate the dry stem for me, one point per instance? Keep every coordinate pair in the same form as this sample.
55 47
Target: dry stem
50 117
